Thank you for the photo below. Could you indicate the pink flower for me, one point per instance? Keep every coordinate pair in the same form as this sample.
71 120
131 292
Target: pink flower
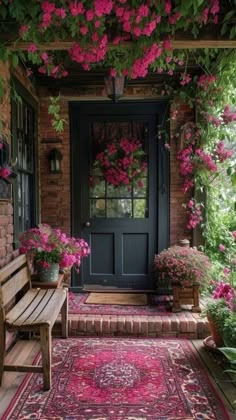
234 234
221 248
5 172
44 57
113 72
168 7
190 204
89 15
48 7
76 8
23 30
103 7
60 12
32 48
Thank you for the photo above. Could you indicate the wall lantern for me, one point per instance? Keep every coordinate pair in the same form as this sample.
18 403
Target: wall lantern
114 87
55 158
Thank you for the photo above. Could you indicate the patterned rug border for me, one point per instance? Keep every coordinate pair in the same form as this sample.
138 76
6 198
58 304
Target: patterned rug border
197 360
78 306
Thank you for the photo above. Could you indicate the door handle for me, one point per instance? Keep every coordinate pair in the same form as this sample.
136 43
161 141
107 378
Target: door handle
87 224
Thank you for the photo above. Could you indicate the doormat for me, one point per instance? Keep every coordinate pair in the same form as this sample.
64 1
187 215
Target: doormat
117 298
157 305
120 379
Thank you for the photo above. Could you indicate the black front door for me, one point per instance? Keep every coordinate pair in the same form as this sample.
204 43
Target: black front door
119 192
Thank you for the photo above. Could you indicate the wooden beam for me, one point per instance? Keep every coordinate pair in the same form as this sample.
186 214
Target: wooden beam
176 44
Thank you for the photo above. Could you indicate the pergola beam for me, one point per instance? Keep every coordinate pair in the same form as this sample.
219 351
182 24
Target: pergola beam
176 44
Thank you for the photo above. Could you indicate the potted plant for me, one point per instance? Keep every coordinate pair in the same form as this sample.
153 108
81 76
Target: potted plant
51 249
221 315
216 312
229 330
186 269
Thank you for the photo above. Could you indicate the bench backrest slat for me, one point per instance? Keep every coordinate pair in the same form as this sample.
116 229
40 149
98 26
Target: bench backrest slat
12 267
13 278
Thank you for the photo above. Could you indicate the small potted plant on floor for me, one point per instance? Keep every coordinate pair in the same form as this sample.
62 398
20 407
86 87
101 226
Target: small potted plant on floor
220 312
186 269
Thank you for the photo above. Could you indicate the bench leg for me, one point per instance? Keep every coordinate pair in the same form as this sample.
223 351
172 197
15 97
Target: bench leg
46 348
2 349
64 318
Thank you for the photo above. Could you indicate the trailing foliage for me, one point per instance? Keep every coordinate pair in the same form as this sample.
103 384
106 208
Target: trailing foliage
124 35
207 161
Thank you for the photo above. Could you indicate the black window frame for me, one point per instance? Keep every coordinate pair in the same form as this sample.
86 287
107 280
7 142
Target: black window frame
30 101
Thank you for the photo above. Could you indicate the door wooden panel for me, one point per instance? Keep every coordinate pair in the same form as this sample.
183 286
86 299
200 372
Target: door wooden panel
119 222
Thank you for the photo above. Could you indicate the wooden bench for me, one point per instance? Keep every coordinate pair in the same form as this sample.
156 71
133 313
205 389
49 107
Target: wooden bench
36 311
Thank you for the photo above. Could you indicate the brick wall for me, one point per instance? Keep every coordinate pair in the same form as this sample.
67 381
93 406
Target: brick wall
7 253
55 189
179 116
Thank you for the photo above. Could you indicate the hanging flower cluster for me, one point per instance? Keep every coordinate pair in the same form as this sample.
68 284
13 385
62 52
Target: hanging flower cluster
194 213
5 169
225 291
5 172
103 31
122 162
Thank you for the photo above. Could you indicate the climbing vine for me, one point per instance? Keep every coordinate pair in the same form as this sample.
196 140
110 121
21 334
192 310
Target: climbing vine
207 162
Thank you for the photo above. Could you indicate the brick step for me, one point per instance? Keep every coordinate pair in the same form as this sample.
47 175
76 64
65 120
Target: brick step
183 324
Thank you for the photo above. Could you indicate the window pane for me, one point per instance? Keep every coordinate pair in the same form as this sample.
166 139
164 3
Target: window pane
140 187
119 208
97 208
121 191
97 187
140 209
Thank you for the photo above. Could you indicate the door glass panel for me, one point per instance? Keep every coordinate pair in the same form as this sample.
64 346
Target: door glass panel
140 188
97 187
121 191
119 170
139 209
119 208
98 208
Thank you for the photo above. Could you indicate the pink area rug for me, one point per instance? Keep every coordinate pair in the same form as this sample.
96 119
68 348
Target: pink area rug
120 379
158 305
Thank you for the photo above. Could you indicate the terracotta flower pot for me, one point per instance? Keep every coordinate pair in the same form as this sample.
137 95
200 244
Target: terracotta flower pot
215 333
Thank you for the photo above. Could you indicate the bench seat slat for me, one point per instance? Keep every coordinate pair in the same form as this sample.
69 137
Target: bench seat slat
51 311
42 309
22 311
14 313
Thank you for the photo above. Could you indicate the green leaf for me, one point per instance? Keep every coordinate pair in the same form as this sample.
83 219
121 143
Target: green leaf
14 60
229 15
232 32
229 352
224 28
233 179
